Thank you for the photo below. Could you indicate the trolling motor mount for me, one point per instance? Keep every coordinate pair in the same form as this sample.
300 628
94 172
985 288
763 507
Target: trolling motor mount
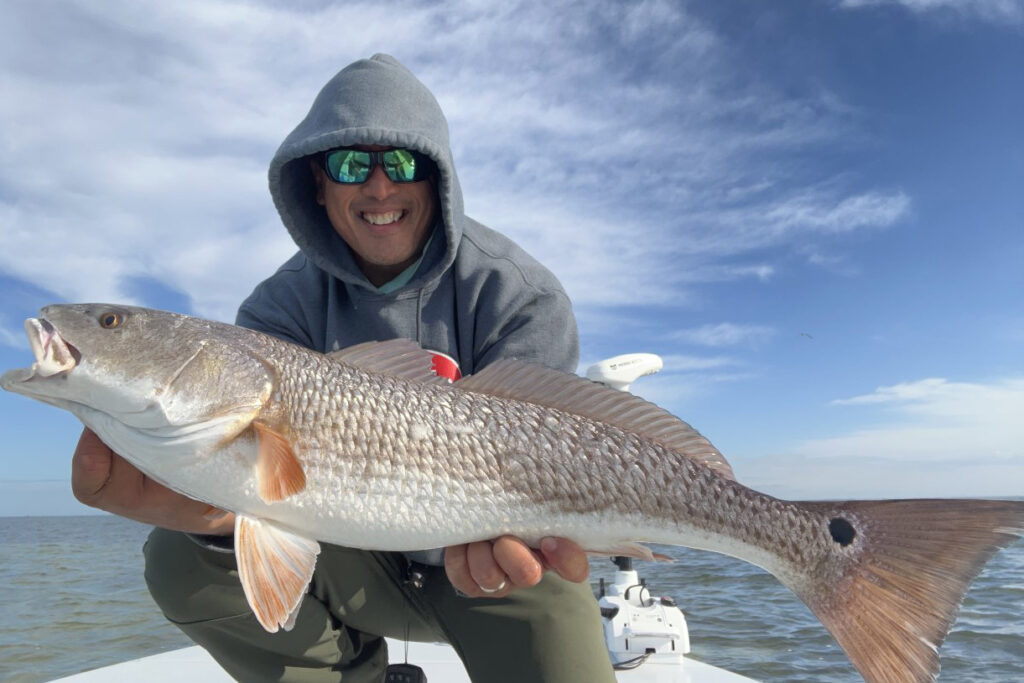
637 626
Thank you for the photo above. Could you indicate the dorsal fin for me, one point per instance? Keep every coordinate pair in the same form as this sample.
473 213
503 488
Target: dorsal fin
396 357
520 381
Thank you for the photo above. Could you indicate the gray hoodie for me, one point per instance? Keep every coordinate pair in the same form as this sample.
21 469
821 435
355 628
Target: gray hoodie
475 295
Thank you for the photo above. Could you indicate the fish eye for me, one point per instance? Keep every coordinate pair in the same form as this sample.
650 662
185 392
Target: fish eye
110 320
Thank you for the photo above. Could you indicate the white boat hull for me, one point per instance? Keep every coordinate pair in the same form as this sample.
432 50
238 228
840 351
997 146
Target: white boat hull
439 661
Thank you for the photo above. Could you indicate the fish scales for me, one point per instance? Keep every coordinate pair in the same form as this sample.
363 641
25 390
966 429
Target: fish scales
366 448
551 462
371 453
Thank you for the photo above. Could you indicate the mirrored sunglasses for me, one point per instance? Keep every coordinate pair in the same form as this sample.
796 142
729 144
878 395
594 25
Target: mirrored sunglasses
353 166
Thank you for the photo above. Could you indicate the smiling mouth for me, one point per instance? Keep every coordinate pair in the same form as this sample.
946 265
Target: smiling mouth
382 218
53 355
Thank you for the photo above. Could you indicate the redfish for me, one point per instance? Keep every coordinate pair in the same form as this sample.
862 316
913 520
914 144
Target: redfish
366 447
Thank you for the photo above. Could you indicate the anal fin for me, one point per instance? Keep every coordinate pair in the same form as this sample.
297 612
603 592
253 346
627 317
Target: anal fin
275 567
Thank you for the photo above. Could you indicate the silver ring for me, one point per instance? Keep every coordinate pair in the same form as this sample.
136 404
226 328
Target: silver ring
493 590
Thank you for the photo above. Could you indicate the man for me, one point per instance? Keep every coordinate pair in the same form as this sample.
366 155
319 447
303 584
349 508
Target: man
366 186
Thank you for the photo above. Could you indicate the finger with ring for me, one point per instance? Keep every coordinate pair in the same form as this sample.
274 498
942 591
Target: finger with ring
494 590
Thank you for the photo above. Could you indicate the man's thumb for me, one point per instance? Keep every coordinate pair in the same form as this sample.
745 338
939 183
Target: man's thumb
90 467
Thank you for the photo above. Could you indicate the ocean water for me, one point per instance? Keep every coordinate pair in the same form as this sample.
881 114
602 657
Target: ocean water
72 598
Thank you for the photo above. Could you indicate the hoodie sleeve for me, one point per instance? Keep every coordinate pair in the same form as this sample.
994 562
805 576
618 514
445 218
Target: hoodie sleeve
542 330
510 305
283 306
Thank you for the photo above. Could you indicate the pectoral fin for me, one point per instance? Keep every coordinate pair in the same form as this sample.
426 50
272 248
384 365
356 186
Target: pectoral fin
278 472
275 567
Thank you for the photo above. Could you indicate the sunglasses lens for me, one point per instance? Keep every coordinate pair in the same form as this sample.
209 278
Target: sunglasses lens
348 165
401 165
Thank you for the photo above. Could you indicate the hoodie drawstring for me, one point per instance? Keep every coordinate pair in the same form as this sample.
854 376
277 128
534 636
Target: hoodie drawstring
419 317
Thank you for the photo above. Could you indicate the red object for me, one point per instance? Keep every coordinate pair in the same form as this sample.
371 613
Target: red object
445 366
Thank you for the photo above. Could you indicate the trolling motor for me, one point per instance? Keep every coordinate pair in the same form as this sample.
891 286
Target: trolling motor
619 372
637 626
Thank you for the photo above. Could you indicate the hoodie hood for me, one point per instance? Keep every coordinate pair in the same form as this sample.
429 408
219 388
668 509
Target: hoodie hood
375 101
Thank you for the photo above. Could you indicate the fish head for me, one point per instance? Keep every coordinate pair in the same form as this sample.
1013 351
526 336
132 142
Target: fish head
146 369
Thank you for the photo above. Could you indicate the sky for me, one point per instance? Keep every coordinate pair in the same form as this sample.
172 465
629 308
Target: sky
812 210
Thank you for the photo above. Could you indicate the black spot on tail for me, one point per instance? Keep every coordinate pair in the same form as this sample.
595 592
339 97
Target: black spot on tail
842 531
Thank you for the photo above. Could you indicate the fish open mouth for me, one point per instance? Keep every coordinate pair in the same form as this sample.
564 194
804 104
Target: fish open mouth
53 354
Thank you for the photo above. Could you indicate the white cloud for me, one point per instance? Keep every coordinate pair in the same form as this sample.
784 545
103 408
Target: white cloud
632 185
10 338
918 391
848 213
996 11
934 438
725 334
686 363
810 214
934 420
928 438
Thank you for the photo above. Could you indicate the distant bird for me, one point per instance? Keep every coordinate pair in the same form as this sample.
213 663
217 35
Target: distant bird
804 334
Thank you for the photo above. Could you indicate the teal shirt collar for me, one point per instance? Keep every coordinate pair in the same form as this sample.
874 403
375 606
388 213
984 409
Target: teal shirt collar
402 279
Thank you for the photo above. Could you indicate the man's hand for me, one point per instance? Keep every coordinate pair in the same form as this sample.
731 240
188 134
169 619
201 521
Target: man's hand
493 569
103 479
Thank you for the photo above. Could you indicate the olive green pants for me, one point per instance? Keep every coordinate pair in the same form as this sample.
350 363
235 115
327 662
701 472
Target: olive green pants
549 633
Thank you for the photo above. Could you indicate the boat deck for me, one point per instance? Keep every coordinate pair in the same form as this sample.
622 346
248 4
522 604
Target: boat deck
193 664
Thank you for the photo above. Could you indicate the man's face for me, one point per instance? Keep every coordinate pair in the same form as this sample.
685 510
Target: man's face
385 223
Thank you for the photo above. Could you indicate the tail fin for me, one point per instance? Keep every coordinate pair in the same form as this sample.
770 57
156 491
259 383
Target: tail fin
892 591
